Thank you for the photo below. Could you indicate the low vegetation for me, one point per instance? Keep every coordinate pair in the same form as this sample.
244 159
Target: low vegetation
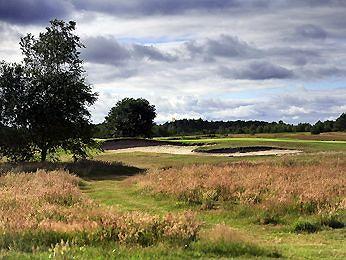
315 188
41 209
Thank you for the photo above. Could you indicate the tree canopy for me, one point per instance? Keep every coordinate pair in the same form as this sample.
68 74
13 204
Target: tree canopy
44 99
131 118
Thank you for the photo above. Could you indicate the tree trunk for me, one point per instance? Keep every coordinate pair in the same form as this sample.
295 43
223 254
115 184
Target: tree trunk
44 154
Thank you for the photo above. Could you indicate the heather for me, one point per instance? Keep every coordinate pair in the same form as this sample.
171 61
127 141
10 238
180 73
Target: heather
40 209
313 188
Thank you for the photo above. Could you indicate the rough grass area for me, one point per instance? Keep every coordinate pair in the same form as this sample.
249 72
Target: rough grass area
307 188
47 213
41 209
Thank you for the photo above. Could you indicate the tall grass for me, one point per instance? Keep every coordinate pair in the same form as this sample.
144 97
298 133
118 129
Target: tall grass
39 209
307 188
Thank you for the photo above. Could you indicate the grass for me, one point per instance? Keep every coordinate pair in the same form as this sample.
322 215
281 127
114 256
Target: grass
246 231
304 145
306 188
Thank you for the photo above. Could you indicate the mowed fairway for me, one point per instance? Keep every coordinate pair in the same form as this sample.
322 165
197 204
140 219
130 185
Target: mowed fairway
290 206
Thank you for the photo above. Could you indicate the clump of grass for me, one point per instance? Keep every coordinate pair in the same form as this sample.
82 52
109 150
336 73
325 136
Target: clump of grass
305 226
39 209
303 188
223 241
269 218
332 221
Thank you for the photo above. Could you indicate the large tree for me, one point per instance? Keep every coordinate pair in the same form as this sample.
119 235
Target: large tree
131 118
44 99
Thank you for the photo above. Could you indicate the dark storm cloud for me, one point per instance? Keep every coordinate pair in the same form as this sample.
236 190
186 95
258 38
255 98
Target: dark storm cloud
257 71
36 11
173 7
107 50
152 7
33 11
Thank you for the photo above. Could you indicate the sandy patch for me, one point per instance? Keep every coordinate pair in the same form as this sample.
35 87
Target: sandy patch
188 150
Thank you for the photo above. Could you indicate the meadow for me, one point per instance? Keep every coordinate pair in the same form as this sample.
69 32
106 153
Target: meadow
150 206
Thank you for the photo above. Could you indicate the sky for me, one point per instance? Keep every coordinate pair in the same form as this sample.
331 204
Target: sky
212 59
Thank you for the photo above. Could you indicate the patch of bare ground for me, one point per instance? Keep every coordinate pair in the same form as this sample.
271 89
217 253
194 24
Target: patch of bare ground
189 150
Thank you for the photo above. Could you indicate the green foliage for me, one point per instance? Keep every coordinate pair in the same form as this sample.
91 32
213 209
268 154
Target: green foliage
332 221
131 118
267 218
45 98
340 123
232 249
305 226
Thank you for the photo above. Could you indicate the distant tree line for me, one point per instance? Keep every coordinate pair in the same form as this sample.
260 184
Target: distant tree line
200 126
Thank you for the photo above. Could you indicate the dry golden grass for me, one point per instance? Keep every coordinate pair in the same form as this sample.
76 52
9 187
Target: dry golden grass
223 233
312 188
52 202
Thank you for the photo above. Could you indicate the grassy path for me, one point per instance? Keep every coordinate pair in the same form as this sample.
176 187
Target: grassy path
123 197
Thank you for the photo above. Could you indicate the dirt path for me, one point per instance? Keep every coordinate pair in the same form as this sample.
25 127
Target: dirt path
188 150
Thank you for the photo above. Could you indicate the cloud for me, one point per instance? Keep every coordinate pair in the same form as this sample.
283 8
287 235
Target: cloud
177 7
257 71
205 58
154 7
33 11
107 50
310 31
152 53
225 46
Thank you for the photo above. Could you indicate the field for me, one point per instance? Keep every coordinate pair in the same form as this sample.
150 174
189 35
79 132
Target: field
161 205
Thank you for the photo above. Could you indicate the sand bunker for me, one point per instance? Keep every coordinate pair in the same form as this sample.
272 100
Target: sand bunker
188 150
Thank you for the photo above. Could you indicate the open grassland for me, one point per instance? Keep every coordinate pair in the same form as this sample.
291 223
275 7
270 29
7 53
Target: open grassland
40 209
307 188
163 206
304 145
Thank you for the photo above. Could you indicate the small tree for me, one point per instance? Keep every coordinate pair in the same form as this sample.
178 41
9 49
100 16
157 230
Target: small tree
45 98
131 118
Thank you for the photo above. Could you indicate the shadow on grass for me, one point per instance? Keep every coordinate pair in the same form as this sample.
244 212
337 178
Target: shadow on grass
86 169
